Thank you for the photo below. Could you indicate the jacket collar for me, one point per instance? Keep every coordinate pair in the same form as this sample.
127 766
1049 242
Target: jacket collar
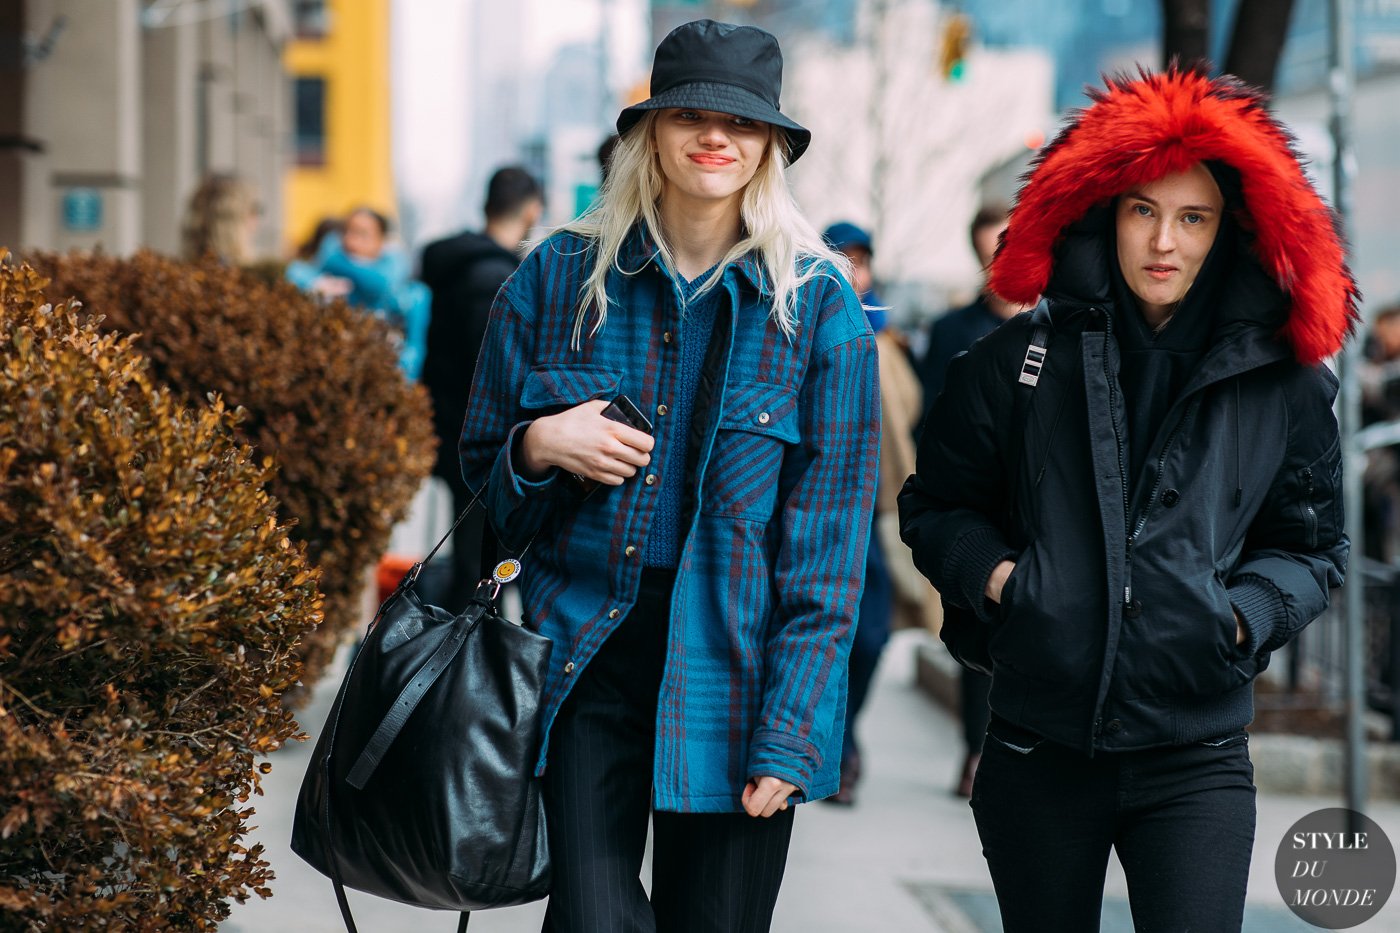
640 248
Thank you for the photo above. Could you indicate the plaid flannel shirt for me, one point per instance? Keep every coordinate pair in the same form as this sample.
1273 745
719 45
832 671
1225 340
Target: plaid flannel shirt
771 572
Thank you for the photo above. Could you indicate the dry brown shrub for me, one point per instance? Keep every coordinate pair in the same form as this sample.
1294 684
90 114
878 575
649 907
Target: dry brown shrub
151 603
351 439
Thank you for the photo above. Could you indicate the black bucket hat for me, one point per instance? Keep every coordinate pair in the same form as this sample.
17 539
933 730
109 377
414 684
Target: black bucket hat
724 68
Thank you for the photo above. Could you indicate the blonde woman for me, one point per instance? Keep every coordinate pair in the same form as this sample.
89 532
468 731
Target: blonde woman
699 570
221 220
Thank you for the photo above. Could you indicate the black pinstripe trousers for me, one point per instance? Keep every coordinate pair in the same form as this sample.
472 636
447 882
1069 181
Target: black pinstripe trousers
711 872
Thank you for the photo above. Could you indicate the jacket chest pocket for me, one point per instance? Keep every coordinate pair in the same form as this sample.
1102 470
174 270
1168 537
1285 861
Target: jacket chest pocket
553 387
759 423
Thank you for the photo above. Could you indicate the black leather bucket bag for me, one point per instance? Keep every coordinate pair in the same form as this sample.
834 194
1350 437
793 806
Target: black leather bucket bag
421 788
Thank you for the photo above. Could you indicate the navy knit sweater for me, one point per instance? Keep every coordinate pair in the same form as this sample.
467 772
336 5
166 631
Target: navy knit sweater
664 541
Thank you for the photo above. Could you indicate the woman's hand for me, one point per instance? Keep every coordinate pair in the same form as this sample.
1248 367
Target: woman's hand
580 440
764 796
997 580
332 286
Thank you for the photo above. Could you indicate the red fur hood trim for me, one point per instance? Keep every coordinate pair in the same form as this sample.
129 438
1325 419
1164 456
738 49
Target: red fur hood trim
1140 130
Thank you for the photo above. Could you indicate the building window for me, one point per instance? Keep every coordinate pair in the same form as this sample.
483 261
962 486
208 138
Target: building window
311 17
310 121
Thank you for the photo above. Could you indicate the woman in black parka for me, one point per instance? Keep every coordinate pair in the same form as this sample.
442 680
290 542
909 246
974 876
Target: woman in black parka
1132 524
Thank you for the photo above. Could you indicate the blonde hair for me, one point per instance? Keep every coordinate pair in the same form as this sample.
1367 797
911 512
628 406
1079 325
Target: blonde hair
216 218
789 248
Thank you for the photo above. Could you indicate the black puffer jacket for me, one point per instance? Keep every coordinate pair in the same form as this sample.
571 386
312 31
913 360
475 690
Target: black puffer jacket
1117 629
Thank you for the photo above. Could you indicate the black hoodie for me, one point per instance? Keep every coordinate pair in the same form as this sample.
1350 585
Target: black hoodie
1155 367
464 273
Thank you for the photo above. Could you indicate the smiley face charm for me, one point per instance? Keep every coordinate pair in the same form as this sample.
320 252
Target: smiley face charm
506 571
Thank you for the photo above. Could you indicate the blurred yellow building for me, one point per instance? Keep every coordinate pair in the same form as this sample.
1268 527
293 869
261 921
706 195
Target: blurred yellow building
339 67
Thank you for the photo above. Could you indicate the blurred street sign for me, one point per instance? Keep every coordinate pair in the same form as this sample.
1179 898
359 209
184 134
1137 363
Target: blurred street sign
82 210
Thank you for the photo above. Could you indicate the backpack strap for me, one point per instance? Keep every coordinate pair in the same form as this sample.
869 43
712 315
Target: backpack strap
965 636
1037 355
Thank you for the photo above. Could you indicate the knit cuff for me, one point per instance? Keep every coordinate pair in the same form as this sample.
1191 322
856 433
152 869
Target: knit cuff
970 565
1260 605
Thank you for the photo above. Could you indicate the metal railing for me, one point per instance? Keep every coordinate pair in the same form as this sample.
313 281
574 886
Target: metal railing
1317 659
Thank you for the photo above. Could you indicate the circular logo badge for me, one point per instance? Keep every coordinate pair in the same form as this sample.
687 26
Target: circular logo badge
506 571
1335 868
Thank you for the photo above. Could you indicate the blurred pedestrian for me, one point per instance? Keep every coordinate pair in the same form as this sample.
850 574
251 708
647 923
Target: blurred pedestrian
1379 375
326 226
900 409
949 335
605 151
701 597
952 333
464 272
361 266
221 221
1131 497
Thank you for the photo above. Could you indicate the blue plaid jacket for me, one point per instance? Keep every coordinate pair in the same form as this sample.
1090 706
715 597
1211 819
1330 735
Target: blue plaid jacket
771 572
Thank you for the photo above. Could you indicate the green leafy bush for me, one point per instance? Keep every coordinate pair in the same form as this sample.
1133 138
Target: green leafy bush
352 440
150 608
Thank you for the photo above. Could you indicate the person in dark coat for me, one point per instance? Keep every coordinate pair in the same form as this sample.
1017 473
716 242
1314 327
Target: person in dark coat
464 273
877 599
1128 518
950 335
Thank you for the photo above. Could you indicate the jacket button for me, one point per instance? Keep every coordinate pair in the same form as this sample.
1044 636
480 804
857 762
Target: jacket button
1133 609
651 479
661 410
763 417
569 668
1170 498
613 614
666 337
630 551
1113 726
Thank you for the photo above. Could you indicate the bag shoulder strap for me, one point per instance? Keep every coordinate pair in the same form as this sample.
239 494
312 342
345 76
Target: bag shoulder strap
412 576
349 919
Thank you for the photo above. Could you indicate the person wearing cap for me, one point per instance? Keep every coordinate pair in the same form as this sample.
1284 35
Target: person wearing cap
1130 497
701 594
900 408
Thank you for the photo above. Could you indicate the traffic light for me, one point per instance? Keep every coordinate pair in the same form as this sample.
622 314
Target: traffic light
952 56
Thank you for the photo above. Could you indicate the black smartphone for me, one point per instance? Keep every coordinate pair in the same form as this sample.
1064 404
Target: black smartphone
623 411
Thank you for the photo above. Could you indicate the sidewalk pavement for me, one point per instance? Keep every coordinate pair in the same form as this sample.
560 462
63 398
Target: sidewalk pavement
905 859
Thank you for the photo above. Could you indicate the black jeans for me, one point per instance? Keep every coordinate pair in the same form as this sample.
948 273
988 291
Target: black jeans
711 872
1181 818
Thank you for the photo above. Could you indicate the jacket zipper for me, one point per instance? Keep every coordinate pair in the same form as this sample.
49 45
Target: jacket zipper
1309 513
1122 463
1141 523
1152 496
